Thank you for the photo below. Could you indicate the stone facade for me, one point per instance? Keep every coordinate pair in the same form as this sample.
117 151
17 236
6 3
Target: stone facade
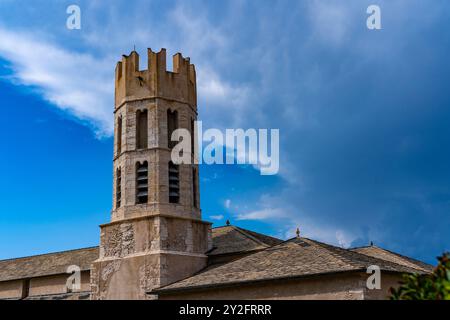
341 286
157 241
42 286
156 91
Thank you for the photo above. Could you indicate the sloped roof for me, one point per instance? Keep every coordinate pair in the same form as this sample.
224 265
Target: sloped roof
47 264
228 239
387 255
231 239
298 257
269 258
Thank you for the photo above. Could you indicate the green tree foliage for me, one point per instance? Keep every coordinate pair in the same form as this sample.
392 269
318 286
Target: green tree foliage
434 286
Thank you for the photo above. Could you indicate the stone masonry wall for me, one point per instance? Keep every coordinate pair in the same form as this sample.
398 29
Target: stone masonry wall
150 244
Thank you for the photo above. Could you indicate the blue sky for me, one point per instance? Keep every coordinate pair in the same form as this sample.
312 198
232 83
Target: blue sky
363 116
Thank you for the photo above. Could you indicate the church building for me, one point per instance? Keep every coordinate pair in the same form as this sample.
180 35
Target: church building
156 245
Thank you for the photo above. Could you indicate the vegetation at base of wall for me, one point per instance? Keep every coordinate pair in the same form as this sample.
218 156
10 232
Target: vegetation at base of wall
434 286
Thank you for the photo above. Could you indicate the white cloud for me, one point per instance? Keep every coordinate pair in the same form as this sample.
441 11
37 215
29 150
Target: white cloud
227 203
345 240
209 43
330 21
263 214
198 34
78 83
82 83
310 229
281 213
216 217
215 91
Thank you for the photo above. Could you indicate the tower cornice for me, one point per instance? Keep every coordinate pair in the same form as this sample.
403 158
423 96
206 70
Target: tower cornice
153 99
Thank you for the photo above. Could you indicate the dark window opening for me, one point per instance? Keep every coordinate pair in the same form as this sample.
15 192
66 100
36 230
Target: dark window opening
119 135
25 288
172 125
118 187
141 182
141 129
174 183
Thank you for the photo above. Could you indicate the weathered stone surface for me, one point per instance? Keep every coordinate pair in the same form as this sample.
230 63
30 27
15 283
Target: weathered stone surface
155 243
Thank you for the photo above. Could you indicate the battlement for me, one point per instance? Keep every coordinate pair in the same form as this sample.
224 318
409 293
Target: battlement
156 81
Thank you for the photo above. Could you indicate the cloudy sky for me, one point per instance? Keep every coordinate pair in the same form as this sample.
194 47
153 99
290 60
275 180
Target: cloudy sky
363 116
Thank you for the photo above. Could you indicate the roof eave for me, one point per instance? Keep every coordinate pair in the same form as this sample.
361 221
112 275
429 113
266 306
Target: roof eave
162 291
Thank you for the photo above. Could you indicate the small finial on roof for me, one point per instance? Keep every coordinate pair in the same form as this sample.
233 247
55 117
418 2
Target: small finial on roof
298 232
134 47
228 222
371 243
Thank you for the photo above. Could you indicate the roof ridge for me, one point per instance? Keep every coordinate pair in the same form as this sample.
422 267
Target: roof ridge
306 257
251 232
242 231
361 247
221 227
358 263
332 250
48 253
405 257
408 259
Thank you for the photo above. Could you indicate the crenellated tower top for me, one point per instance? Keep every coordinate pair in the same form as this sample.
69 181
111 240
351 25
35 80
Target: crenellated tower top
155 82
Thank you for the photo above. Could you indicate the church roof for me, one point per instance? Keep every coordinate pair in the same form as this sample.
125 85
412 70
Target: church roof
232 239
47 264
266 258
387 255
295 258
226 240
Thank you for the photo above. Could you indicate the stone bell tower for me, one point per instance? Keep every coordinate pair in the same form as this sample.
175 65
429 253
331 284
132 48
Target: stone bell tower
156 235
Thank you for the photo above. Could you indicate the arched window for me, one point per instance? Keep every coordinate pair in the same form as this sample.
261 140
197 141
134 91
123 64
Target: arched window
174 183
118 187
141 129
141 182
119 135
172 125
194 187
